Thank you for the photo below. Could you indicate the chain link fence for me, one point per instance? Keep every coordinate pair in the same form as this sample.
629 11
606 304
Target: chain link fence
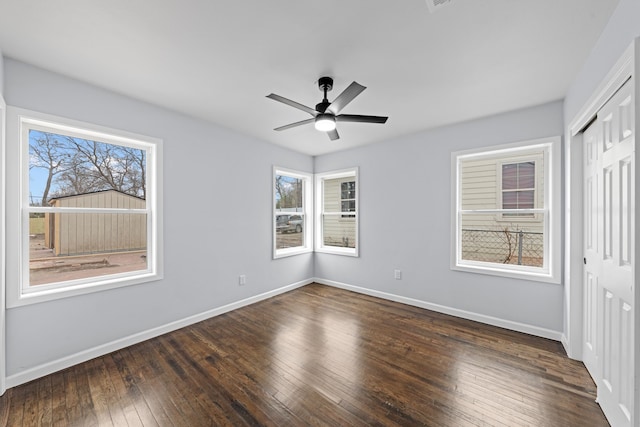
503 246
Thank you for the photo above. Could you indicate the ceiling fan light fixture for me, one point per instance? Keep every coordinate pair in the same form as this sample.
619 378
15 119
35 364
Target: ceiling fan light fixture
325 122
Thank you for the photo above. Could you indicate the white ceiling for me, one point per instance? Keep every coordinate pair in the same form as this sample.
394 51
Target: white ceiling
217 60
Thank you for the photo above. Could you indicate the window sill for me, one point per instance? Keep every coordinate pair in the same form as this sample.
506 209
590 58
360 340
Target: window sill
44 293
284 253
337 250
514 272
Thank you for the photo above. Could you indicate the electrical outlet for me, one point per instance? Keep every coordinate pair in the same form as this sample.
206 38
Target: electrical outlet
242 280
397 274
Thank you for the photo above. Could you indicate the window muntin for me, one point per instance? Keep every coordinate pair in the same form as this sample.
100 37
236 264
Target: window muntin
89 209
292 202
505 223
337 216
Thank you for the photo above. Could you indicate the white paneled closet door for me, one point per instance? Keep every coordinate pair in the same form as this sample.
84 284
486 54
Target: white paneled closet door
609 244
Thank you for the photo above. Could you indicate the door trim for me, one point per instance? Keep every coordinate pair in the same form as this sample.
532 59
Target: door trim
3 352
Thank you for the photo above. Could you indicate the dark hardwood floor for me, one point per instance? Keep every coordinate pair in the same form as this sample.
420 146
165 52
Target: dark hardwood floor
319 356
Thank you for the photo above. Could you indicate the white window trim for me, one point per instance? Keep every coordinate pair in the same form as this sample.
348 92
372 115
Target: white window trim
319 212
307 210
551 270
19 293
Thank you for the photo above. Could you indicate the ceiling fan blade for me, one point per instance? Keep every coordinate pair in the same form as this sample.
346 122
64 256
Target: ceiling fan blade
360 119
293 104
345 97
333 134
292 125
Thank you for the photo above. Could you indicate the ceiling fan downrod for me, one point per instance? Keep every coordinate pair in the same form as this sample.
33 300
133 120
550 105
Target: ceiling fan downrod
325 84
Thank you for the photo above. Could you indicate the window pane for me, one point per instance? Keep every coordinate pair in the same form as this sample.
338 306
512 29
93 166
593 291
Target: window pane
525 199
289 193
63 166
526 175
338 231
510 177
65 246
289 215
349 206
348 190
518 199
289 231
484 240
510 200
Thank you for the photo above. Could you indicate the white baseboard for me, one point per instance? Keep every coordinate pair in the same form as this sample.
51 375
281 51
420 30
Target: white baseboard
101 350
565 343
507 324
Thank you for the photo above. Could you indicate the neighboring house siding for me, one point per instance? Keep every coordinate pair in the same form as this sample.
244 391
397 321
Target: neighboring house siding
487 237
85 233
337 231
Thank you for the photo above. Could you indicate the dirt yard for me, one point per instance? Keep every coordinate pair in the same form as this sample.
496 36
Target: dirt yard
45 268
289 240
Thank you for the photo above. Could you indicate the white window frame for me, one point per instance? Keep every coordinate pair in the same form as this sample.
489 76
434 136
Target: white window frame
549 213
307 212
19 292
320 212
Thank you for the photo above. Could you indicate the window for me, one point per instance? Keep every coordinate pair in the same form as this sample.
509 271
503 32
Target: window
337 212
292 204
518 187
348 197
505 206
89 203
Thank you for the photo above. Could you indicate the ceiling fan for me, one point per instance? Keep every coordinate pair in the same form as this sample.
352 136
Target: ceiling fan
326 113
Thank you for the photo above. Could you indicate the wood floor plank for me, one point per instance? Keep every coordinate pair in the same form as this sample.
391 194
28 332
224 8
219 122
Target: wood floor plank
319 356
58 400
13 403
30 414
45 401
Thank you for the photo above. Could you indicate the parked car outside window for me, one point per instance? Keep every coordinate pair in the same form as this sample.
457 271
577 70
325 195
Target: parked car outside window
289 223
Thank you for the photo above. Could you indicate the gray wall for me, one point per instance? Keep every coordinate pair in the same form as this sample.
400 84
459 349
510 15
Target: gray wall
405 220
1 74
217 216
618 34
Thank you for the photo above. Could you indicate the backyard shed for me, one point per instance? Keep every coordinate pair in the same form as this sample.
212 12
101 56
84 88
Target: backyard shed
89 233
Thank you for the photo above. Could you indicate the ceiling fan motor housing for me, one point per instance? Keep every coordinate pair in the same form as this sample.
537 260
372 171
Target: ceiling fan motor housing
322 107
325 83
